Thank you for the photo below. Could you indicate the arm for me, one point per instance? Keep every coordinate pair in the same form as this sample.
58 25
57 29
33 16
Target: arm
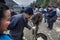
52 13
29 27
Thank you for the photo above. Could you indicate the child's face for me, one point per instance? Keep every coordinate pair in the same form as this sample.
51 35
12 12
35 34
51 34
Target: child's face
5 21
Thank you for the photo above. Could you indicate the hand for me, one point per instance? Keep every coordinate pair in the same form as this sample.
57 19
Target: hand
33 28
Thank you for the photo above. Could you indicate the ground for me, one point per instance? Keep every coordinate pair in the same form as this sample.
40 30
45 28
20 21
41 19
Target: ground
53 34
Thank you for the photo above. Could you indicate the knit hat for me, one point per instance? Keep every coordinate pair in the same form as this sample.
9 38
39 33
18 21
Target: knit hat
29 10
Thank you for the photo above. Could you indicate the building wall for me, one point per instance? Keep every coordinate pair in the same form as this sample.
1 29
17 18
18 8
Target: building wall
13 5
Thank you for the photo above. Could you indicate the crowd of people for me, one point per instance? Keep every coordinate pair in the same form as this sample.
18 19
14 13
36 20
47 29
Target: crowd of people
17 22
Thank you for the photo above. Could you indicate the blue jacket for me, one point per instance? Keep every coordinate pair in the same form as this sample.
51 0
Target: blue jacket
5 37
16 27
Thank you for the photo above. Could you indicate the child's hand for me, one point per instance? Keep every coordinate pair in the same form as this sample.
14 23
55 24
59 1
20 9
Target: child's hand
33 28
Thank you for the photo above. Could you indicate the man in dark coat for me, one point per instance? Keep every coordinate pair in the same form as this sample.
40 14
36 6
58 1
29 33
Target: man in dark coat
51 16
18 22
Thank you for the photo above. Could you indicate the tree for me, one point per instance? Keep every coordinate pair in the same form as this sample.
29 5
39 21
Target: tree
42 3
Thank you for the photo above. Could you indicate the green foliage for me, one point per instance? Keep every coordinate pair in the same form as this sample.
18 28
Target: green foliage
41 3
44 3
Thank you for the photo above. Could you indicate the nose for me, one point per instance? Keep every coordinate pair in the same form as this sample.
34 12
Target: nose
8 23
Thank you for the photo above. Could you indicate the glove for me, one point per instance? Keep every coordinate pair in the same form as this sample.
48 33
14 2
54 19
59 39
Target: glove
33 28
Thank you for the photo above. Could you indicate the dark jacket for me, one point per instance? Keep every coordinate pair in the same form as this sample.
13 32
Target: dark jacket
51 13
52 17
16 27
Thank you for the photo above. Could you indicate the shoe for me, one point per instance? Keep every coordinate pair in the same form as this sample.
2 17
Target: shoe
49 28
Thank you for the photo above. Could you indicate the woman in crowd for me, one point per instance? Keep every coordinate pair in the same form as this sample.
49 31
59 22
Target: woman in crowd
4 21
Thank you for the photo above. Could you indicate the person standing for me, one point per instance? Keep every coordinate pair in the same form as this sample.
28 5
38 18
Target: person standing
51 15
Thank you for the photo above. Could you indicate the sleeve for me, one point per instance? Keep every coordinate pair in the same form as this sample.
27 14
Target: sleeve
29 27
52 14
34 18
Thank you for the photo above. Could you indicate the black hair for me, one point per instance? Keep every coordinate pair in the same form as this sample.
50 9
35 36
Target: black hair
36 6
3 1
22 7
49 6
3 8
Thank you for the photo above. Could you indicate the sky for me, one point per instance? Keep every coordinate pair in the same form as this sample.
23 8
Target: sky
24 2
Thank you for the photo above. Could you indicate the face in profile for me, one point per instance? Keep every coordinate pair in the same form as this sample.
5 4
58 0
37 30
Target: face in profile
5 20
28 16
49 8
